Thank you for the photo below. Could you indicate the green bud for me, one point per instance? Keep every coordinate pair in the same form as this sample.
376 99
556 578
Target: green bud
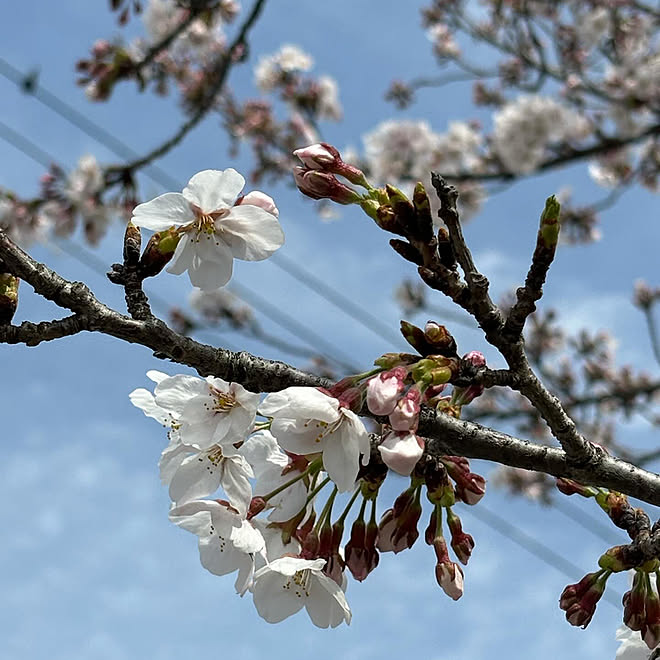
549 228
370 207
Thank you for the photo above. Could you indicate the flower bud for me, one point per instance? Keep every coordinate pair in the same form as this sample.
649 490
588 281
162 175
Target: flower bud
440 339
361 554
322 185
326 158
634 603
383 390
401 451
613 559
398 526
448 574
570 487
579 600
461 543
8 297
405 415
158 252
549 228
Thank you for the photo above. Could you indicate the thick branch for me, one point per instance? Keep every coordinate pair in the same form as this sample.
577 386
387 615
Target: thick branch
446 434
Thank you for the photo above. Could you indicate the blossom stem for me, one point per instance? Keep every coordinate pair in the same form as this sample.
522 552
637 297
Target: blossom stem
316 490
312 468
438 519
327 510
350 505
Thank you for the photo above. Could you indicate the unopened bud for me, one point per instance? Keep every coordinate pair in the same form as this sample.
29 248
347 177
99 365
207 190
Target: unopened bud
158 252
549 229
322 185
8 297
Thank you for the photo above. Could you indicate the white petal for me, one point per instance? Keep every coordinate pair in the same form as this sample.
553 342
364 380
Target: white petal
300 402
327 605
212 190
360 433
192 519
183 256
218 555
247 539
274 603
145 400
157 376
168 210
174 393
341 460
196 477
235 482
209 275
261 448
291 565
171 458
299 436
252 233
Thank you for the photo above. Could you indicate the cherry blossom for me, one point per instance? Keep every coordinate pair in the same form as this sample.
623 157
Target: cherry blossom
286 585
227 541
192 473
273 468
215 226
632 645
206 412
307 421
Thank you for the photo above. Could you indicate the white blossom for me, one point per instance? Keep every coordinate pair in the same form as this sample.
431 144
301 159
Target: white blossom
307 421
592 26
215 227
632 645
288 59
286 585
395 149
329 106
227 541
85 181
192 474
272 468
524 128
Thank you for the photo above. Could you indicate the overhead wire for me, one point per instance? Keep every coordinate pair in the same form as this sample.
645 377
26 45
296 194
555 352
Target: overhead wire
488 517
159 176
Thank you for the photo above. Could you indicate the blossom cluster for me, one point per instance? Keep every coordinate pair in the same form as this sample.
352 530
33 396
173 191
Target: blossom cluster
272 473
66 201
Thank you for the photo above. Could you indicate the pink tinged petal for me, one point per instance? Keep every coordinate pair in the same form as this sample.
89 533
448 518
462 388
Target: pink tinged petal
263 201
401 452
213 190
327 605
174 393
341 460
168 210
183 256
251 233
300 402
196 477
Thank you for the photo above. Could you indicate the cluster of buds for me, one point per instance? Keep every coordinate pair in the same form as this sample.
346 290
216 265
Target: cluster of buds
389 207
579 600
108 64
641 605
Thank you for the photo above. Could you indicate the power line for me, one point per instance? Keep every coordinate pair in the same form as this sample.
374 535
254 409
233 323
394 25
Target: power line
98 133
370 321
536 548
87 258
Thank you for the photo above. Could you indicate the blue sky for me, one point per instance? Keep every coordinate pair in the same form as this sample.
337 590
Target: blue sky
89 565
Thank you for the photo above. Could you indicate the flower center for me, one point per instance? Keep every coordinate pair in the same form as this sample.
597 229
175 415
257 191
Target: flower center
204 223
223 402
299 583
324 428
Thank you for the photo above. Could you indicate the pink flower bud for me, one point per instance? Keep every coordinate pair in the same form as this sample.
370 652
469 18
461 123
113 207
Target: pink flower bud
259 199
326 158
475 358
401 451
322 185
450 578
383 390
471 488
318 156
405 415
